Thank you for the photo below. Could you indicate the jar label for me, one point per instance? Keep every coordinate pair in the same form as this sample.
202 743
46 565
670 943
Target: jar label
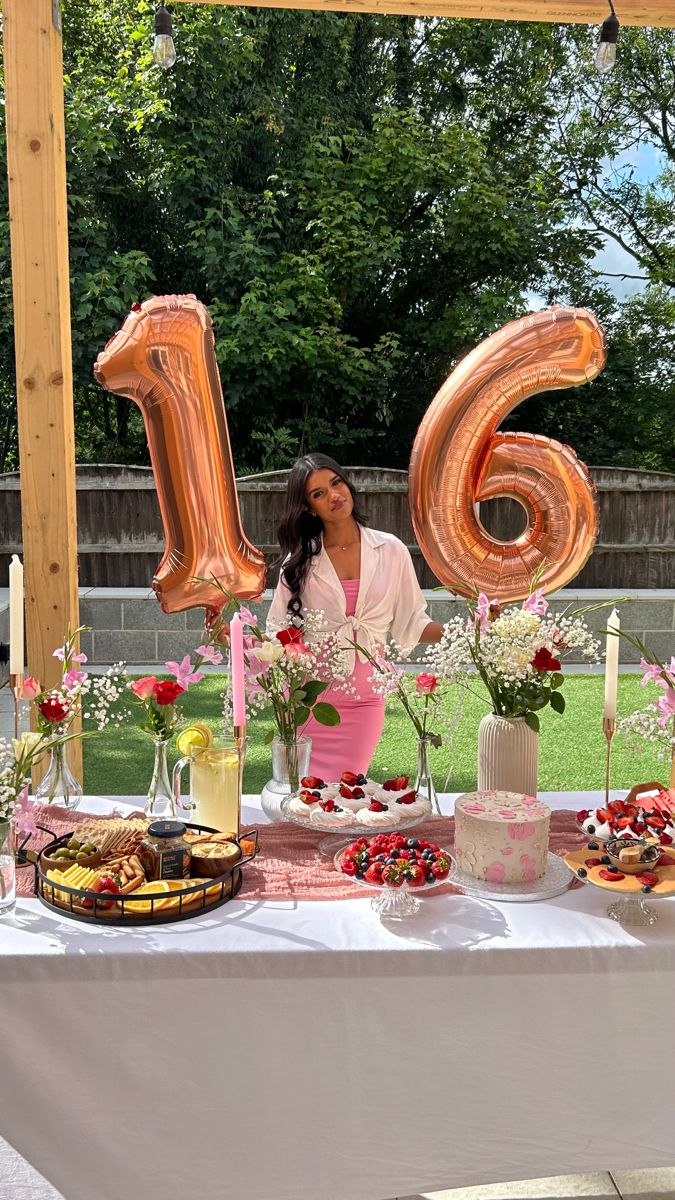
172 864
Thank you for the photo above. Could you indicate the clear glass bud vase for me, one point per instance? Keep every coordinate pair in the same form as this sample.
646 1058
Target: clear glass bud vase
7 867
160 801
290 761
59 785
424 782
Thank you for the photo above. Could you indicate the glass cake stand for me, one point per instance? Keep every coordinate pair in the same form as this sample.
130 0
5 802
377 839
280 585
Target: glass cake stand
334 840
397 903
556 879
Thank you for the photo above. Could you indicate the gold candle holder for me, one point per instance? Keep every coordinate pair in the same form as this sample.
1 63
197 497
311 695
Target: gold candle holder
609 729
16 686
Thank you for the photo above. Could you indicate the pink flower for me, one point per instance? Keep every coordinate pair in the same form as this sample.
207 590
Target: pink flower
666 705
73 677
144 687
210 654
652 672
79 658
31 688
60 653
294 649
486 611
536 603
425 683
184 675
246 615
23 815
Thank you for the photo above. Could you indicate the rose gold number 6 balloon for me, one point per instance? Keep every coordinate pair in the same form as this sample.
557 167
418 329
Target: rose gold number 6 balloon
459 460
163 359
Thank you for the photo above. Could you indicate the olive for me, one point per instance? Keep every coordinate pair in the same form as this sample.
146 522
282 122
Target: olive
72 854
73 844
81 856
62 853
89 848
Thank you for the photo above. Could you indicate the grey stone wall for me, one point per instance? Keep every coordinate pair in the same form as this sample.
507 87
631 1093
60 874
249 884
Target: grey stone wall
128 624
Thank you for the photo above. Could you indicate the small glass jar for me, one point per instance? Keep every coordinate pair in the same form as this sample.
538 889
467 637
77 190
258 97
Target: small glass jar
164 852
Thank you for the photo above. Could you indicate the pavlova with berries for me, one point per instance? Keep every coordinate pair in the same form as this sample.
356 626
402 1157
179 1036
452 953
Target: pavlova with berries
619 818
391 860
356 802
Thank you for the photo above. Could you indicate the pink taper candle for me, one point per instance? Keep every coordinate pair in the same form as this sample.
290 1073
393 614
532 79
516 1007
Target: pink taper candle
237 661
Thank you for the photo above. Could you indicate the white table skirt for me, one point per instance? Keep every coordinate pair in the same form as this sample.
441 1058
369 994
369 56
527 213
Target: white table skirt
304 1051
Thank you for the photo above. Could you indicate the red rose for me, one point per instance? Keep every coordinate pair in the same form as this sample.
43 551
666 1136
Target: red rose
287 636
166 691
544 661
54 710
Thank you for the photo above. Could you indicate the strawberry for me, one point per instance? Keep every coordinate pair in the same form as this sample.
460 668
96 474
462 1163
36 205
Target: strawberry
593 862
617 806
311 782
611 876
349 778
649 877
417 876
349 866
655 820
441 868
623 822
107 886
378 806
582 815
346 792
603 816
666 839
327 805
309 797
392 876
374 873
409 798
666 860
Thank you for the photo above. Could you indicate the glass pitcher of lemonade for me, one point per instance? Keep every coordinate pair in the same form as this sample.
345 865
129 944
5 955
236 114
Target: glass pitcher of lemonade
214 785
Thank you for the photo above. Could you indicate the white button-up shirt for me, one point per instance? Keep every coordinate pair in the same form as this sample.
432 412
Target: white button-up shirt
390 600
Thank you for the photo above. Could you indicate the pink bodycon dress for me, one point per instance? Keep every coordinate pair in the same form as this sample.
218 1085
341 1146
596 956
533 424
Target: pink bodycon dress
350 745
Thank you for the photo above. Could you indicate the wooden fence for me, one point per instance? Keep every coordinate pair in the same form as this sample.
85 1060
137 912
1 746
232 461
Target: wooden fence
120 538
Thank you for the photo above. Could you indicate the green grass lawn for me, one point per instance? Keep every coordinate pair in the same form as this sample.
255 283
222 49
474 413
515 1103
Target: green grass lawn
572 747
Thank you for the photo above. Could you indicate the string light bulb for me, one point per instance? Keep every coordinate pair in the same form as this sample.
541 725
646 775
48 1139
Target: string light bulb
163 50
605 55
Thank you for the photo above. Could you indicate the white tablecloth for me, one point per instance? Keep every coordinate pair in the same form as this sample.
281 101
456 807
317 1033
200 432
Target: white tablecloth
282 1051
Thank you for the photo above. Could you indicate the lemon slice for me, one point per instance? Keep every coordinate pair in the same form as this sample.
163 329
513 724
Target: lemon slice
195 737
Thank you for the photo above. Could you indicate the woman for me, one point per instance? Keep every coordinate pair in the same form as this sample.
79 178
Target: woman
364 582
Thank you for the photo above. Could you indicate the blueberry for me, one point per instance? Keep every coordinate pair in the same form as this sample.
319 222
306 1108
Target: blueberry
646 888
380 858
389 861
590 829
413 843
394 853
593 846
582 872
407 875
361 779
613 870
605 859
385 808
431 857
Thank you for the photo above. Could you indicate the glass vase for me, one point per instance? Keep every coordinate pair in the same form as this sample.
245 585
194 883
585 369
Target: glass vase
290 761
160 801
424 782
7 867
59 785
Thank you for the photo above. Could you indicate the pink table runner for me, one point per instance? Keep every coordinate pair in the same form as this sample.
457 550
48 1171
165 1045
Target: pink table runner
289 866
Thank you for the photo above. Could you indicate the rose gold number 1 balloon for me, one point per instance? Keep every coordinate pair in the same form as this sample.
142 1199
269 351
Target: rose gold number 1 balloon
459 460
163 359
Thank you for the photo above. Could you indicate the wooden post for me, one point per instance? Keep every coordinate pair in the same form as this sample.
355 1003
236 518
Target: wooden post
36 163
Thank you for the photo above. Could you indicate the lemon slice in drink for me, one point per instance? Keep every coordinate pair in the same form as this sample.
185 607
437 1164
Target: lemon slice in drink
195 737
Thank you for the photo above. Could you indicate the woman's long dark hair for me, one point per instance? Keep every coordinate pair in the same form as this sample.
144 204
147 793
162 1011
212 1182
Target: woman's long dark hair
300 529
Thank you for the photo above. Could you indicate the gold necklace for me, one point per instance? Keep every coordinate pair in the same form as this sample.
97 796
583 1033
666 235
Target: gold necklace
335 546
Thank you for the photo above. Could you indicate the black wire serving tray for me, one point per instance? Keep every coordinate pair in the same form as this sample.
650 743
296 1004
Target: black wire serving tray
124 910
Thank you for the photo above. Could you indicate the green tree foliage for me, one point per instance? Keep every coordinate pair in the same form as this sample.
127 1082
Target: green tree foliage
358 199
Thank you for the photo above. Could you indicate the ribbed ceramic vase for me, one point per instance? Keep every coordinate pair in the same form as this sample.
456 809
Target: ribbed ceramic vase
508 755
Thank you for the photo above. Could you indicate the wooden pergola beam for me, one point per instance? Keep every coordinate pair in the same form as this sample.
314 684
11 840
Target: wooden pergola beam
36 164
564 12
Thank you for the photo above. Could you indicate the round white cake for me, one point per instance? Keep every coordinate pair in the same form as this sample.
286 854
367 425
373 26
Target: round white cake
501 837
